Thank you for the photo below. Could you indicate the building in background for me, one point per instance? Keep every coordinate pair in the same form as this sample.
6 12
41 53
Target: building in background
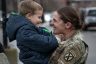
82 3
50 5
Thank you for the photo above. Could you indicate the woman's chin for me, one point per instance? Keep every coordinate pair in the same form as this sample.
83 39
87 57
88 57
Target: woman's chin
55 32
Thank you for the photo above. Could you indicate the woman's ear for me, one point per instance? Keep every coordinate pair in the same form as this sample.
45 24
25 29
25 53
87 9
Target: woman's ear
68 25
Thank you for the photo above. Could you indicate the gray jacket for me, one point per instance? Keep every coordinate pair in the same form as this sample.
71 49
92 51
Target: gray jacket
3 59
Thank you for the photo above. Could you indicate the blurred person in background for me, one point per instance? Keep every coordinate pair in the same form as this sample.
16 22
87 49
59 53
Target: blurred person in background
3 57
72 49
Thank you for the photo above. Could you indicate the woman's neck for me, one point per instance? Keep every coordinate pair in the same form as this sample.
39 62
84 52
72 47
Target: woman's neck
69 34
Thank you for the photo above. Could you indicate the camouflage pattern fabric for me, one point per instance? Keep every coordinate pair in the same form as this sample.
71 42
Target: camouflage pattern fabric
71 51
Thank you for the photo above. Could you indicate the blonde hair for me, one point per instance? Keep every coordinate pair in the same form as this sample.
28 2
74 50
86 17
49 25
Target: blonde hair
28 6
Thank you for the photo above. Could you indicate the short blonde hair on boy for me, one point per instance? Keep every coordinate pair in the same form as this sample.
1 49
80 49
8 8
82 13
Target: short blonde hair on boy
28 6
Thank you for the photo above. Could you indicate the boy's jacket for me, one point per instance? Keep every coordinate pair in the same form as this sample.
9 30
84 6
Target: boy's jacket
35 44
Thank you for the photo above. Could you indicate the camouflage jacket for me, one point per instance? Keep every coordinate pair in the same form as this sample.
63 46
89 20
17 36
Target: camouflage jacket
72 51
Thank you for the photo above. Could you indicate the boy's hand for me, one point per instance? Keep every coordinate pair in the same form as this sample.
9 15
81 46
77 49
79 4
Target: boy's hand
45 31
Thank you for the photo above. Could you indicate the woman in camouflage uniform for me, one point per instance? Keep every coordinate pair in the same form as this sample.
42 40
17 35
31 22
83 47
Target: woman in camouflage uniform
72 49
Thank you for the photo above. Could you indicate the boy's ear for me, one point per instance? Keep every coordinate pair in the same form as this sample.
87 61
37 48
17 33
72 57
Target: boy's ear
28 15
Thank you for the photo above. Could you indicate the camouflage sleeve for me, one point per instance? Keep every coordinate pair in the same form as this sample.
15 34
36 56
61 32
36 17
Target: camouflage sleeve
71 55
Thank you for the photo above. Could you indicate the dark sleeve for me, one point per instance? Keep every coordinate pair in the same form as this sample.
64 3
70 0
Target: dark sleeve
1 48
30 38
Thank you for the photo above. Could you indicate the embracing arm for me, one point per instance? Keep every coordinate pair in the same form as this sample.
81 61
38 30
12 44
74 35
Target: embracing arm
30 38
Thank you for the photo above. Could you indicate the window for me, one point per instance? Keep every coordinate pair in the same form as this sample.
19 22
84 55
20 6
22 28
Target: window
92 13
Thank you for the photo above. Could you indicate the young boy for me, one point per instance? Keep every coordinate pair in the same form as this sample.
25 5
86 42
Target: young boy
35 44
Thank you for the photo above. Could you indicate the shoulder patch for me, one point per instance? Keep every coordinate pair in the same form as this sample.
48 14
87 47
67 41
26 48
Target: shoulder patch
68 56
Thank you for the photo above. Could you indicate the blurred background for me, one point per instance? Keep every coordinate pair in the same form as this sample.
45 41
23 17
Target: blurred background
86 9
